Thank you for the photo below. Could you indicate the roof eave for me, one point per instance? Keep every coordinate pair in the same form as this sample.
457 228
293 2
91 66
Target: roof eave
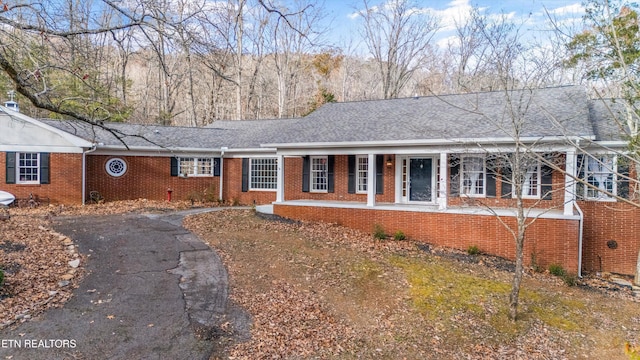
430 142
173 150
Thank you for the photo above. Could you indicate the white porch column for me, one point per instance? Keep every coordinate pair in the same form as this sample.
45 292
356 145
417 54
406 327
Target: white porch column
280 180
371 180
569 182
443 180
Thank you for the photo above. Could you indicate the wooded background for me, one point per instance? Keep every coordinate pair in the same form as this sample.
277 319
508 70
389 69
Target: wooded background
191 62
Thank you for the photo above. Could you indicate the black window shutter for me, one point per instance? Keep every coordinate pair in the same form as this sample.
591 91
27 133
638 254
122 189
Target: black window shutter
245 174
491 185
216 166
623 181
174 166
547 181
331 159
492 170
11 168
506 178
580 167
306 173
351 187
379 174
454 176
44 168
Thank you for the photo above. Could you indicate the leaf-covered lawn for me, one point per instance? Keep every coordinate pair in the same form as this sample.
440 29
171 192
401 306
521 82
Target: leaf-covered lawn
324 291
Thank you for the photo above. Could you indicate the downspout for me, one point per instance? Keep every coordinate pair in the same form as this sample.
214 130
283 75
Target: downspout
580 230
222 149
84 171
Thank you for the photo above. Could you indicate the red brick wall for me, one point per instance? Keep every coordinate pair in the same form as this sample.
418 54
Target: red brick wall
552 241
146 177
149 178
233 186
65 177
293 182
606 221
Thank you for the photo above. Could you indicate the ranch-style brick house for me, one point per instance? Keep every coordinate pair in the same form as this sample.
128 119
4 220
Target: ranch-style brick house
420 165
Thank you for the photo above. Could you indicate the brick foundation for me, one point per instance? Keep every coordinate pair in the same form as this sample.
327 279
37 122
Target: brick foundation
605 221
553 241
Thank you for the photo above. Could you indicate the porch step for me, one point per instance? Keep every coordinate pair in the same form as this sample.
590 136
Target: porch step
265 209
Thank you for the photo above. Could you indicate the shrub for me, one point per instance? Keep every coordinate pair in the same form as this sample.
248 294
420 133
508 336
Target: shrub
399 235
195 196
570 279
378 232
473 250
534 264
557 270
210 194
1 277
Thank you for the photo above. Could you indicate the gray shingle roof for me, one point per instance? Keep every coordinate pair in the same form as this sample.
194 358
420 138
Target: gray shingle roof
608 118
559 111
232 134
545 112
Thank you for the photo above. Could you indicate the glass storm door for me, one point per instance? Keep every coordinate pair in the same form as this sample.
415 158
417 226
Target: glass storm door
421 179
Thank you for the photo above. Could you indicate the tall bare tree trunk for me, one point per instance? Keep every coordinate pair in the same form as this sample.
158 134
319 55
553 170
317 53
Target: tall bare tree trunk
517 275
239 35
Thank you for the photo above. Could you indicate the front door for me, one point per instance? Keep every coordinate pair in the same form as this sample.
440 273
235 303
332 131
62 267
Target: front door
421 179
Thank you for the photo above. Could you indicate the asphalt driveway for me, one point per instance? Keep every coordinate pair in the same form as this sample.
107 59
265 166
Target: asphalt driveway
153 290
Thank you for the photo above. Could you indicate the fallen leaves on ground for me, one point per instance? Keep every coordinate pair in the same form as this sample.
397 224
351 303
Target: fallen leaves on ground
317 290
287 321
35 261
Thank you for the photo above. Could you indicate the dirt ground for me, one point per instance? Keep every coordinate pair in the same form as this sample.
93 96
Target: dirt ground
324 291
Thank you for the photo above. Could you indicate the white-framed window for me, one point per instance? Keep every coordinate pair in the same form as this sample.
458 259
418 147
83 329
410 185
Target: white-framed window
600 174
473 177
362 170
263 173
196 166
28 168
319 173
531 186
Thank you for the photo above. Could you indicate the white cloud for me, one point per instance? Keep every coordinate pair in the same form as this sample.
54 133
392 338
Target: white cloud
572 9
456 12
447 41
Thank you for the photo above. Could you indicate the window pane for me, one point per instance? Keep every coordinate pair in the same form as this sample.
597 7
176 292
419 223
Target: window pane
473 175
600 175
205 166
28 167
319 169
264 174
187 166
361 175
530 185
